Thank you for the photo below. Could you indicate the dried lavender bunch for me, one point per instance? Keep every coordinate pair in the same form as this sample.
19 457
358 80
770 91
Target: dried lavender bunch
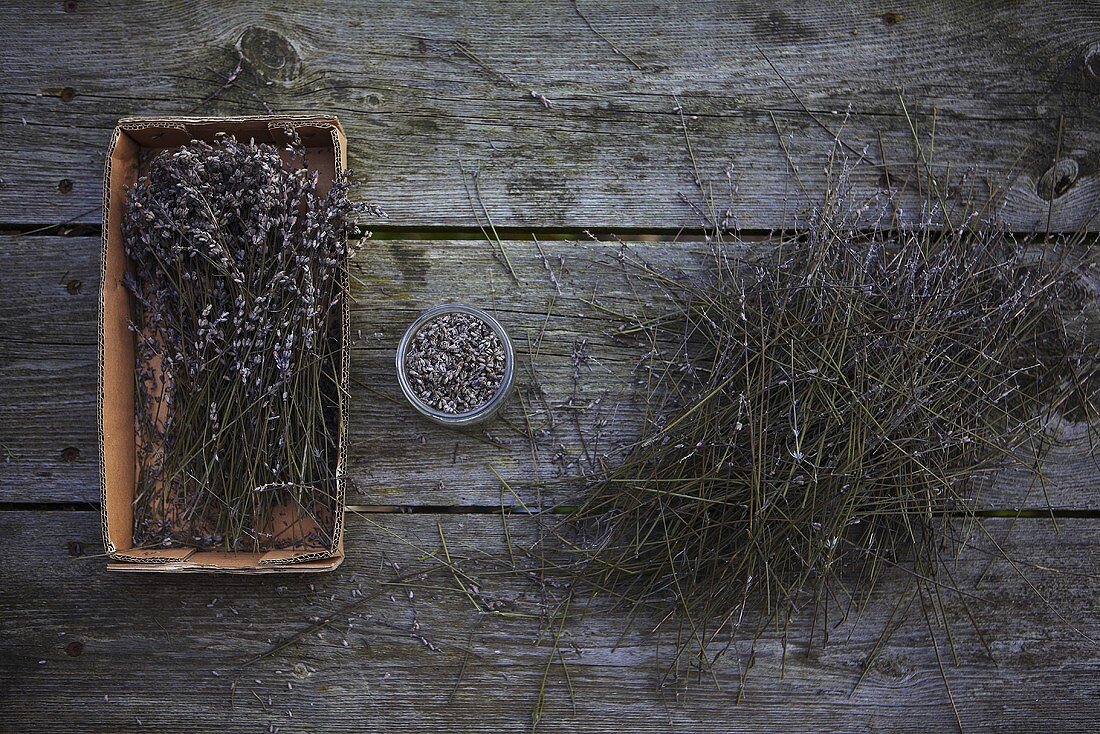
829 410
239 275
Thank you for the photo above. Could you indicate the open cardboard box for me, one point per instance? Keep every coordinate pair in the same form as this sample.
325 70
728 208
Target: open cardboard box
326 147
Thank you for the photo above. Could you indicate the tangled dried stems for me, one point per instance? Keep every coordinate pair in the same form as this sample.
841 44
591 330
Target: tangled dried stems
828 410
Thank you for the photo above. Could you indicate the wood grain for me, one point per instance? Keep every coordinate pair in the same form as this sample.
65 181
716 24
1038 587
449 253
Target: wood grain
570 115
89 650
423 90
48 433
47 374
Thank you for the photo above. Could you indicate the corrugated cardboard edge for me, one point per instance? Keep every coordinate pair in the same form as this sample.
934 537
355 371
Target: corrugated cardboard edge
105 228
322 566
308 562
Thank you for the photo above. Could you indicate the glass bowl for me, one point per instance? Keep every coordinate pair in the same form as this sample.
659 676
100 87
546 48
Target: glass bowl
471 417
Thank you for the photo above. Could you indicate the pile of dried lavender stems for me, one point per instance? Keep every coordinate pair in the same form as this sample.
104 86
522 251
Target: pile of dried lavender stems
239 273
825 405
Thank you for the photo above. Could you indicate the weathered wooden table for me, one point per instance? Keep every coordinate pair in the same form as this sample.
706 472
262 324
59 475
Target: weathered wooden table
569 115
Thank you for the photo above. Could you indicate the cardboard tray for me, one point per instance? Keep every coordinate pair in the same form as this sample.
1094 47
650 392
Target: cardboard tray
327 148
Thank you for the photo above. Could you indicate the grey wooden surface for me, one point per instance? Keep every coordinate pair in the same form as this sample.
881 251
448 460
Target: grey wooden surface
129 652
47 333
423 86
427 91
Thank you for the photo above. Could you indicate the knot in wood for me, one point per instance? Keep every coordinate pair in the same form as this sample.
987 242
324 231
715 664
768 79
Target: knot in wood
271 54
1092 61
1057 179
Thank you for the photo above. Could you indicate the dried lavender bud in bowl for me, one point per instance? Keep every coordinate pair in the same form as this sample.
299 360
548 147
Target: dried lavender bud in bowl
455 365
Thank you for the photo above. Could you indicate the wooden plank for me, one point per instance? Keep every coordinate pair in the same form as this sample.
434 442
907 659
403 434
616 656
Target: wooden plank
89 650
421 87
48 434
47 374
